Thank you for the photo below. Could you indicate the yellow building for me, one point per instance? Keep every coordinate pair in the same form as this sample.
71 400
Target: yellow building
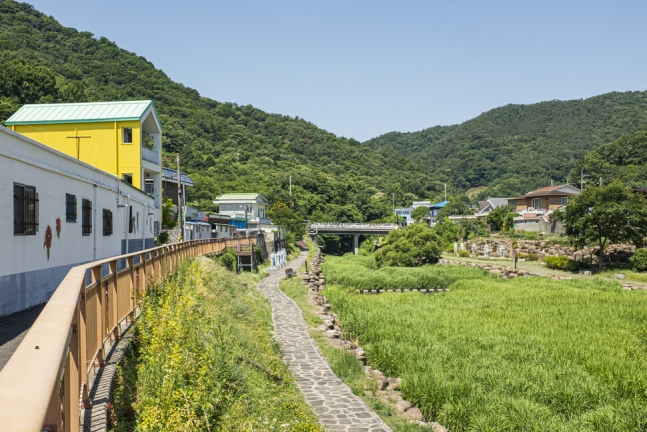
122 138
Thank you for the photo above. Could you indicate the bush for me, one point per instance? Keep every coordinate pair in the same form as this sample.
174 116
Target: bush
463 254
258 254
564 263
162 238
228 259
412 246
638 261
528 257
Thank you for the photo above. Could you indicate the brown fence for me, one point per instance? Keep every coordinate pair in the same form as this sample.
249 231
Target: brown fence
45 383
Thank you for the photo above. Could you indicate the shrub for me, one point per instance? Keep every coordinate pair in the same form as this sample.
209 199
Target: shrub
638 261
528 257
463 253
258 254
564 263
557 262
228 259
412 246
162 238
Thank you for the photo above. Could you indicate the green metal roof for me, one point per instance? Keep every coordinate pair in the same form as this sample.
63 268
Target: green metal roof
80 112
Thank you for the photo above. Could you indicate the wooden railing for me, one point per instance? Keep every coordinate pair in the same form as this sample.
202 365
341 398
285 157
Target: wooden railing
45 383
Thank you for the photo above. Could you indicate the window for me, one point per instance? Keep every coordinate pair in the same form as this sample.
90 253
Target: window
513 203
128 135
70 208
149 186
25 210
107 222
86 217
536 203
564 201
128 178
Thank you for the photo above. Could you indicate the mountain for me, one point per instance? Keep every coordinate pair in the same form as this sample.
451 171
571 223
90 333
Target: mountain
223 146
518 148
624 159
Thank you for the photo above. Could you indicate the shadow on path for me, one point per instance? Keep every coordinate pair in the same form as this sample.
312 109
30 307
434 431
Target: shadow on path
13 329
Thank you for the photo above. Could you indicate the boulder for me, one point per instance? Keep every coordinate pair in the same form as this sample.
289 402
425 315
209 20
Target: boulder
403 405
436 427
394 383
414 414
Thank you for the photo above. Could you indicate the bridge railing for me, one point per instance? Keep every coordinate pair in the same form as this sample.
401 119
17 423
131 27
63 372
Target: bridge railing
340 225
44 385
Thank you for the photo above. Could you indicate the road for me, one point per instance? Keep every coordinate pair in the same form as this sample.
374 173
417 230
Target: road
13 329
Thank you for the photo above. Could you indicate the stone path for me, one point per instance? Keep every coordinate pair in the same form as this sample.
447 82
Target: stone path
338 408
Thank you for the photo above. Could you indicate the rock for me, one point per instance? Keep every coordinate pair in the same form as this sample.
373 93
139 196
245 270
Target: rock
619 276
395 397
381 383
403 405
394 383
332 334
367 369
378 374
437 427
511 276
494 272
414 414
329 324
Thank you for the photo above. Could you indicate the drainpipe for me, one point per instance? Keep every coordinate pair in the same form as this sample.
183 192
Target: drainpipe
94 231
127 220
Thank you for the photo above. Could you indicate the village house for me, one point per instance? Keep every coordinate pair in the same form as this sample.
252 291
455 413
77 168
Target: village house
535 207
121 138
58 212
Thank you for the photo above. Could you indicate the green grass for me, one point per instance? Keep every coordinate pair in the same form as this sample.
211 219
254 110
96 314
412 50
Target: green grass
630 275
357 272
529 354
184 370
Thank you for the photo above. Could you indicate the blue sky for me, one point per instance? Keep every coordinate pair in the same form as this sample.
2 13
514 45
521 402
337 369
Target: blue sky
363 68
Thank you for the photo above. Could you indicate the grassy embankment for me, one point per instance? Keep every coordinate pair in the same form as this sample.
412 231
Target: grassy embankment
197 360
527 354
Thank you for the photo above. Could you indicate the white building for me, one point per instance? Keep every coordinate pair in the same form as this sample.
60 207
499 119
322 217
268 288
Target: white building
58 212
246 210
404 214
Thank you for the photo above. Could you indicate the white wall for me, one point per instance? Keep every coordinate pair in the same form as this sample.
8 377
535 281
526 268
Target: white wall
27 276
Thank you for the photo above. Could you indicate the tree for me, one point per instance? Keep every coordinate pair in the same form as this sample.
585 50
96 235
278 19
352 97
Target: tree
474 228
282 215
413 246
169 220
502 218
420 213
605 214
447 230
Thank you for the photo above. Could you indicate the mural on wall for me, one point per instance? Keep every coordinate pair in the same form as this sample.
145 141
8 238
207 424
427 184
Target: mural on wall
48 240
58 228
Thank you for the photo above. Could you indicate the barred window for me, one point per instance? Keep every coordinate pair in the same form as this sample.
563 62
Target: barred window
86 217
25 210
107 222
70 208
131 219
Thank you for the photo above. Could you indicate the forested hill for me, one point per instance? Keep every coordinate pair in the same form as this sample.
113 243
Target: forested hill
224 147
624 159
517 148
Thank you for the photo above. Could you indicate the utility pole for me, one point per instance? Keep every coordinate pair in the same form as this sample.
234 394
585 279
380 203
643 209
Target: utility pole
582 181
600 181
291 203
393 202
179 198
445 191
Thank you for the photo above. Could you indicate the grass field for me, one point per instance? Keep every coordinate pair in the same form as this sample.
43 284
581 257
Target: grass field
357 272
191 366
529 354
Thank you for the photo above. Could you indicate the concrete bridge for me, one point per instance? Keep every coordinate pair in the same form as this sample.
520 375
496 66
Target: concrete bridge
354 229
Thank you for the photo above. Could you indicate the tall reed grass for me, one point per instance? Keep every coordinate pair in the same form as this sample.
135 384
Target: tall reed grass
528 354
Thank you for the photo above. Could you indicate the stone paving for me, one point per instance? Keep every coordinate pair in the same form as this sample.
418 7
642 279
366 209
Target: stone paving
338 408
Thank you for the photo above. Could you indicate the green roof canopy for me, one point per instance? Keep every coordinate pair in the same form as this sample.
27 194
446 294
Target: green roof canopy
81 112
